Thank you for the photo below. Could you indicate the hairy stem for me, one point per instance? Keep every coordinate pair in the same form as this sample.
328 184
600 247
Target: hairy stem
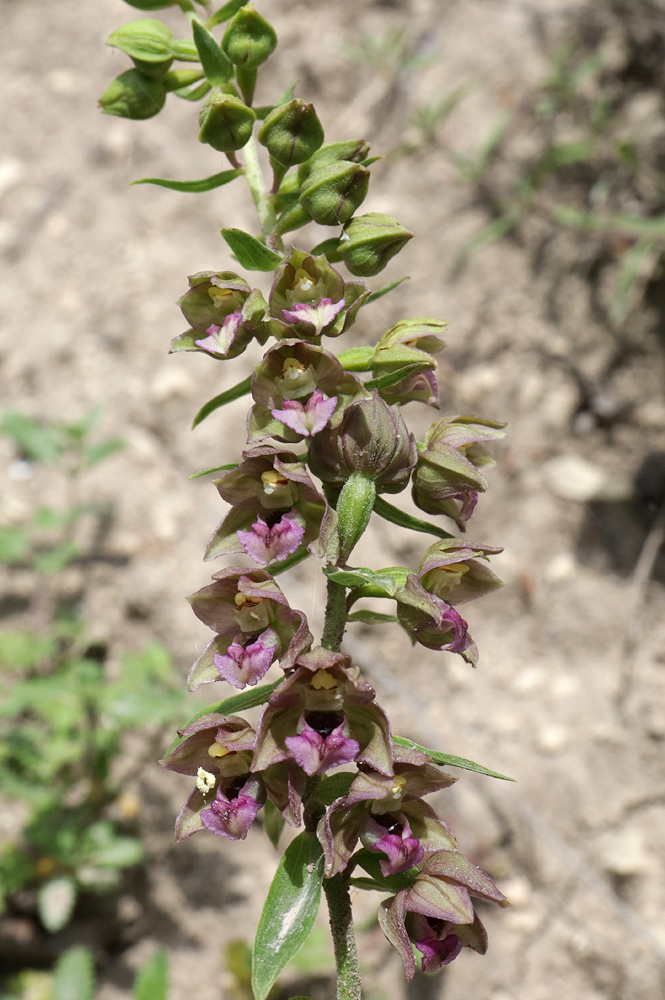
344 942
335 620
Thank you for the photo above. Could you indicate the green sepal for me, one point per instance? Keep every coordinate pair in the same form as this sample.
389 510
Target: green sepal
182 79
251 253
391 378
146 41
216 64
133 95
229 706
215 468
235 392
380 292
289 911
404 520
225 12
449 760
194 187
193 93
356 359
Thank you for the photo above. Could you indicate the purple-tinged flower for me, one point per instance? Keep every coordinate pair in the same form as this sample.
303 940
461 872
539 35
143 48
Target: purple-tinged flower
247 660
324 693
246 608
421 387
318 746
371 439
224 315
295 372
307 419
456 571
410 343
386 813
266 543
432 622
234 808
447 479
318 315
435 908
331 303
271 485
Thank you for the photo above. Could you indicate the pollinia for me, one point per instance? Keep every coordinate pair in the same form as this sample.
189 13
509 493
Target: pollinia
326 442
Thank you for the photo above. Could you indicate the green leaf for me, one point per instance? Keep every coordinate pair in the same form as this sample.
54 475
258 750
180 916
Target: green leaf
373 583
14 545
40 442
333 786
275 568
194 187
215 468
236 703
289 912
121 852
388 883
356 359
217 66
74 976
225 12
273 822
392 378
448 760
235 392
98 452
152 979
251 253
371 617
397 516
55 903
380 292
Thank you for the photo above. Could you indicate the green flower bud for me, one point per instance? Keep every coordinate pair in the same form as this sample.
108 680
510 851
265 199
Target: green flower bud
353 150
249 39
133 95
148 43
292 132
333 193
370 241
226 123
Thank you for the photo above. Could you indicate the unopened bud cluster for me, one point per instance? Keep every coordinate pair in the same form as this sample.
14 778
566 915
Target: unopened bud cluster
326 439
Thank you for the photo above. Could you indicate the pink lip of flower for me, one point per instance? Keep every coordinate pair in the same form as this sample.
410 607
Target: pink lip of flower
316 754
220 338
307 418
230 818
247 664
440 947
319 315
403 849
272 544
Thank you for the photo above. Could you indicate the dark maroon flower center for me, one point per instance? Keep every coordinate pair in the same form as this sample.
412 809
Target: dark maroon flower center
323 723
391 824
235 786
274 517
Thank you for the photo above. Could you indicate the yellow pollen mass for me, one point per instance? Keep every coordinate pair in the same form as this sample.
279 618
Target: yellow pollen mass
323 680
459 569
271 480
240 600
398 785
217 751
292 368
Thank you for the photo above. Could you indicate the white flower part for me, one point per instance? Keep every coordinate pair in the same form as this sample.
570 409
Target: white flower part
205 781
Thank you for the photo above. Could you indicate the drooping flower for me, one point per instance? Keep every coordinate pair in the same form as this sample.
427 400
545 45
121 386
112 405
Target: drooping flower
234 808
436 912
410 344
432 622
330 303
254 625
272 487
456 571
323 697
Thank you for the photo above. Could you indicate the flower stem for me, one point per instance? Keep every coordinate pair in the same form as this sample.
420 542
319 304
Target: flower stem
256 183
344 942
335 620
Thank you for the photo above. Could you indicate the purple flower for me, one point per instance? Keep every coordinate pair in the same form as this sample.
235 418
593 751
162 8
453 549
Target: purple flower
246 660
272 543
318 315
432 622
307 419
220 338
234 808
436 941
456 571
403 850
318 747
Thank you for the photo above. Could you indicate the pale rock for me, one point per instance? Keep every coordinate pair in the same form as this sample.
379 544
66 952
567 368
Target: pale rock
571 477
561 568
623 853
63 81
10 174
529 679
552 738
565 685
518 891
651 412
559 405
170 383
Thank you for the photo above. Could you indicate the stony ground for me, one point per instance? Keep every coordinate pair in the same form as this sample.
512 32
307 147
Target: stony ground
569 698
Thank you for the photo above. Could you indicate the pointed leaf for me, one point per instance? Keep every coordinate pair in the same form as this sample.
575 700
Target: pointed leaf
55 903
236 703
391 378
215 468
194 187
371 617
397 516
235 392
152 979
74 976
289 912
193 93
217 66
225 12
449 760
380 292
251 253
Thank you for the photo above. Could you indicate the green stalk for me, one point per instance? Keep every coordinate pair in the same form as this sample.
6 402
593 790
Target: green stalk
344 942
335 620
256 183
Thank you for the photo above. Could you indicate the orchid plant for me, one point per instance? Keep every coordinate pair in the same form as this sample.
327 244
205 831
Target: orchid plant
324 445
